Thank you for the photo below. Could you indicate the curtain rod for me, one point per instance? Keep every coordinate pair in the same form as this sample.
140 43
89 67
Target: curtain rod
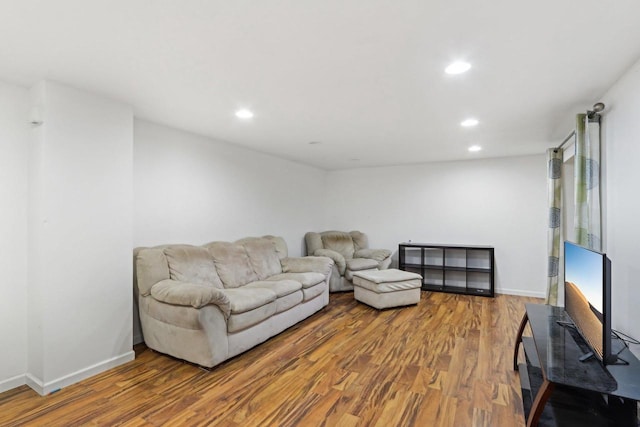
571 135
593 115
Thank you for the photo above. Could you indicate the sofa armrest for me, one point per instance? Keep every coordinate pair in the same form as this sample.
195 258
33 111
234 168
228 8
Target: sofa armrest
337 257
376 254
317 264
189 294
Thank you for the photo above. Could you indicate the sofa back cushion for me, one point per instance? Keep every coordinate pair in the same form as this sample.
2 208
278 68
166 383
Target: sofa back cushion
232 263
193 264
313 241
280 244
151 267
340 242
360 240
262 256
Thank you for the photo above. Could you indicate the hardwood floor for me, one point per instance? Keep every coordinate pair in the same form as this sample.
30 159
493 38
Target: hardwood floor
446 362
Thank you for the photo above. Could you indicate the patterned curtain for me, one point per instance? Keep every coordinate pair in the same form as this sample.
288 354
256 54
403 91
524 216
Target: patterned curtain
554 232
587 183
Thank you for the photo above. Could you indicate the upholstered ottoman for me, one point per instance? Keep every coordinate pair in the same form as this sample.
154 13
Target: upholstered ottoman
387 288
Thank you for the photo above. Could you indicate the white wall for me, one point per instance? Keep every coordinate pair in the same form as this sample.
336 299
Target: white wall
81 236
497 202
621 140
14 138
192 189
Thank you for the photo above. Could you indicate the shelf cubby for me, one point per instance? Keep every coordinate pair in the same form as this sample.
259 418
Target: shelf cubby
456 269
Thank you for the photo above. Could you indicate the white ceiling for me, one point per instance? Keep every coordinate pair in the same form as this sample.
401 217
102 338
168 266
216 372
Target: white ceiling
363 77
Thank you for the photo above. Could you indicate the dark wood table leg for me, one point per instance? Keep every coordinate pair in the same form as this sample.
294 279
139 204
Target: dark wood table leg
523 323
538 404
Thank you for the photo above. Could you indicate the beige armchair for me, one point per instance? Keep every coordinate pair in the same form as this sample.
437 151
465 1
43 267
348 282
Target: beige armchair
350 252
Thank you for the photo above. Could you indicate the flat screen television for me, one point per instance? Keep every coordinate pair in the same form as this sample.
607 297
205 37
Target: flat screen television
587 297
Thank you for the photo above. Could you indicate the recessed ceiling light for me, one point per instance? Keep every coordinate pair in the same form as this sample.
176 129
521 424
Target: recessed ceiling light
244 114
475 148
469 123
457 67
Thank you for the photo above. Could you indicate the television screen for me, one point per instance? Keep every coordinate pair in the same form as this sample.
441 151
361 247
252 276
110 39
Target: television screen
587 296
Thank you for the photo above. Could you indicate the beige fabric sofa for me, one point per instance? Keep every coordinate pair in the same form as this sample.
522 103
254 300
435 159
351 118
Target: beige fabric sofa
350 252
206 304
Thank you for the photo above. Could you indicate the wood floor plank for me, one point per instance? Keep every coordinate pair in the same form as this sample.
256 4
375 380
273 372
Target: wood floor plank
445 362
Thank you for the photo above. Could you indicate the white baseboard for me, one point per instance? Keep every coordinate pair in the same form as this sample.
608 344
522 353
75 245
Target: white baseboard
34 383
13 382
55 385
520 292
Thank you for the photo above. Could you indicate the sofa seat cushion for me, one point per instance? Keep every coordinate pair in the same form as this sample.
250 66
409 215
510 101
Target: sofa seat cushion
313 291
193 264
305 279
280 287
240 321
242 300
357 264
289 301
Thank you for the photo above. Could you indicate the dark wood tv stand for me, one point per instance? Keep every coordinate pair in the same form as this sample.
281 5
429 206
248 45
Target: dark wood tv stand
560 390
